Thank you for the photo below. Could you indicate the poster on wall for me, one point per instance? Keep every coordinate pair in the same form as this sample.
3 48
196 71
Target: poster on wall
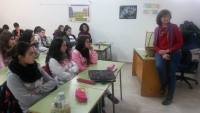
79 13
128 12
151 8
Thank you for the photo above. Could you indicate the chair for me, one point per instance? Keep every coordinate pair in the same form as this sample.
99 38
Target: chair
185 64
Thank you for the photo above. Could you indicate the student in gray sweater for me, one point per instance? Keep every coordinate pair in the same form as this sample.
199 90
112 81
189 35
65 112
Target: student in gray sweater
25 79
60 63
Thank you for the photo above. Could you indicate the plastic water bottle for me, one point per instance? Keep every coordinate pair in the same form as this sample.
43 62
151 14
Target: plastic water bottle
61 102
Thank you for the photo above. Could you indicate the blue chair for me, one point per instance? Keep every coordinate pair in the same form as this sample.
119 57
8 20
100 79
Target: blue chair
186 65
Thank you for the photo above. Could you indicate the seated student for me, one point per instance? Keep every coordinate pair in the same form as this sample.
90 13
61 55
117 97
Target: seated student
84 55
59 32
29 37
84 30
25 79
43 41
17 32
36 29
5 28
6 43
60 63
69 38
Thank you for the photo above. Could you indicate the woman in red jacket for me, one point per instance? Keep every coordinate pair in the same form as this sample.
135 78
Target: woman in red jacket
167 42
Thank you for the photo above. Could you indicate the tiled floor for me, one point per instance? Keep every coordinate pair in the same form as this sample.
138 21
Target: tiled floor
185 100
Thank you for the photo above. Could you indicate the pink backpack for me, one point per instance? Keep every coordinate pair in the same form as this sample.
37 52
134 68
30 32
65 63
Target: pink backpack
80 95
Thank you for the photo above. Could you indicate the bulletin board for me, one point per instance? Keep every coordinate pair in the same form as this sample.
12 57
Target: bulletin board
79 13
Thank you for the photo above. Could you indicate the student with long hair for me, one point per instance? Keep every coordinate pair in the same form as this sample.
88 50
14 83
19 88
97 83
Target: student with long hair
84 55
60 63
29 37
6 43
69 38
26 80
59 32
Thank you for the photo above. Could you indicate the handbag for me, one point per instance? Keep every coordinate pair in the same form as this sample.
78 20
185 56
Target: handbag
80 95
102 76
150 51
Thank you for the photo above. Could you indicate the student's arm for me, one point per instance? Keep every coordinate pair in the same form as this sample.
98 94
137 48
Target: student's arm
48 41
76 58
49 85
74 68
93 56
58 70
37 38
20 92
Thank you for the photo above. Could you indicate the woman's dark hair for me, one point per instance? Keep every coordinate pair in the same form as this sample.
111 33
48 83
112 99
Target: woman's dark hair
80 46
66 28
54 50
59 30
20 49
81 27
4 46
36 29
27 35
161 14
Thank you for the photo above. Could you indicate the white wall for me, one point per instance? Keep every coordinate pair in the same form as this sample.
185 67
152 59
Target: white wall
105 23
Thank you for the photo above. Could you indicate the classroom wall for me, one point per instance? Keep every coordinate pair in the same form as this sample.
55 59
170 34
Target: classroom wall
105 24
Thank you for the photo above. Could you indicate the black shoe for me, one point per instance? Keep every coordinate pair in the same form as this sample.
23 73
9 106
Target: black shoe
163 88
167 101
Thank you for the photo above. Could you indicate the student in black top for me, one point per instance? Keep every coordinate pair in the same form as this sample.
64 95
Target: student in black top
17 32
69 38
5 28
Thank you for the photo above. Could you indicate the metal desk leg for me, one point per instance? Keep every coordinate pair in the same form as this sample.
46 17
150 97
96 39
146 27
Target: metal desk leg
100 105
113 97
110 53
120 83
106 55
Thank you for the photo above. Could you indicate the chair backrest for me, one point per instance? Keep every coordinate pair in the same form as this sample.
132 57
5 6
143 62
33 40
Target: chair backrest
190 42
47 70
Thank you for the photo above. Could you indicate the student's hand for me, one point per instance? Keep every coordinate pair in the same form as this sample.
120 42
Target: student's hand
34 42
162 52
90 48
32 92
166 56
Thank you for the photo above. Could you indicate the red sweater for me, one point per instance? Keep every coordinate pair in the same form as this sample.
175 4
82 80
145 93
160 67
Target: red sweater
162 43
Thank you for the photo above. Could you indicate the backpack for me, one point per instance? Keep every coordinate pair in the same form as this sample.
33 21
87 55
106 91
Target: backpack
8 103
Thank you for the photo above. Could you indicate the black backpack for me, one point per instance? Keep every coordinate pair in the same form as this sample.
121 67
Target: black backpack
8 103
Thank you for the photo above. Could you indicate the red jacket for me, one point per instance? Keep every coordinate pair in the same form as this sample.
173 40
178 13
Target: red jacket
162 43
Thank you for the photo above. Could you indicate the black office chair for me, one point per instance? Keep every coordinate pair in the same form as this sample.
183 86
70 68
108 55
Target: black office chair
190 39
186 66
